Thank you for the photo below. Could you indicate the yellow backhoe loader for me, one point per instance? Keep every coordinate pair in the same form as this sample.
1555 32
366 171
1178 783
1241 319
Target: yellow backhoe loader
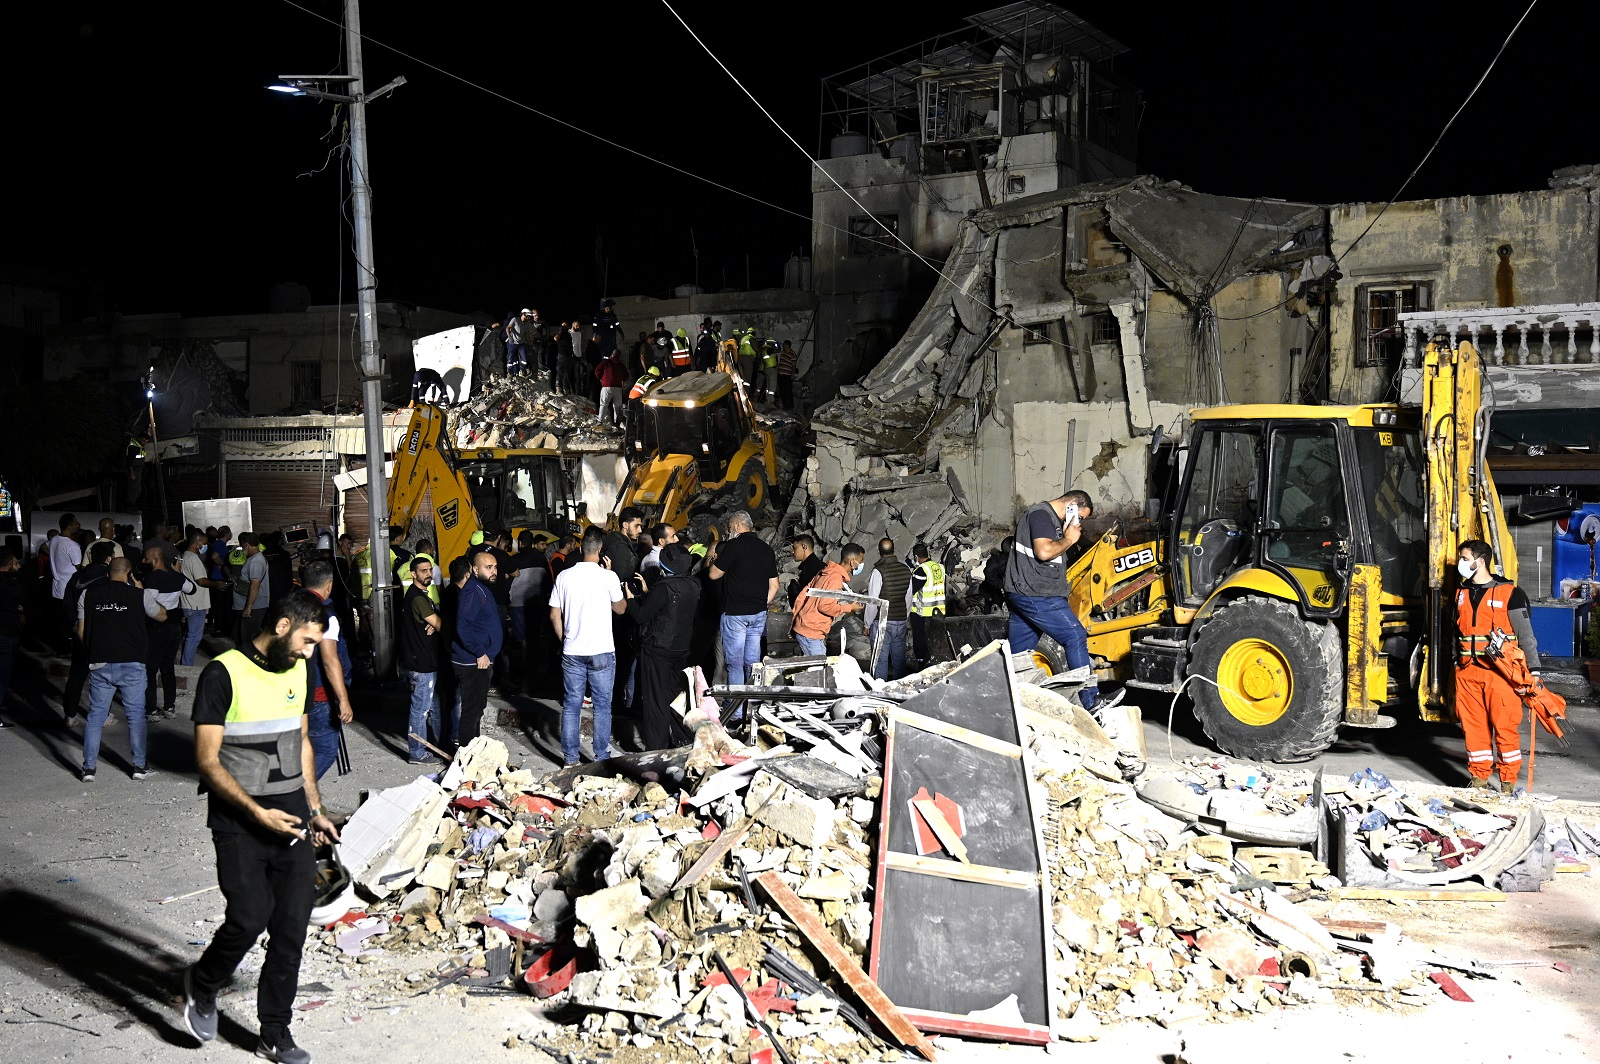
694 446
1304 575
478 488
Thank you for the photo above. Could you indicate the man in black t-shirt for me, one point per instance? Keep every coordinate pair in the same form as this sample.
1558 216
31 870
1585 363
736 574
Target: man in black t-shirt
111 625
748 573
162 637
265 816
420 648
618 554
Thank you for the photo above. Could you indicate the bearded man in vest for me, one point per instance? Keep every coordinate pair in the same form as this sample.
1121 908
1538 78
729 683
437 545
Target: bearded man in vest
1490 709
265 816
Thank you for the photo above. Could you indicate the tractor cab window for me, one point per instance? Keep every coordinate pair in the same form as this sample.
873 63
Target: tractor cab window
484 478
1307 523
1392 493
1216 530
535 493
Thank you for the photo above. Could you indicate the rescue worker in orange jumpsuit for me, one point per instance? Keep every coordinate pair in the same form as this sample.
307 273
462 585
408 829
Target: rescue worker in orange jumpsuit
1489 707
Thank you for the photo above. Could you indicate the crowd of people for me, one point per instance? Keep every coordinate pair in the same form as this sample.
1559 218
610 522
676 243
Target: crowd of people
597 361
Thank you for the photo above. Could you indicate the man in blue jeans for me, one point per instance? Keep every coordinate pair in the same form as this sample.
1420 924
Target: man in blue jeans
420 625
192 564
748 573
330 670
583 602
1036 582
111 624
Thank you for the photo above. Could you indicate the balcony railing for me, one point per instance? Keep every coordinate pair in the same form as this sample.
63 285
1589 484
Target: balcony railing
1555 334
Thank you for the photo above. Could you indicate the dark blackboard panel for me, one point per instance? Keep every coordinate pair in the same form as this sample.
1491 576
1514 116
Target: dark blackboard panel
990 788
950 946
977 697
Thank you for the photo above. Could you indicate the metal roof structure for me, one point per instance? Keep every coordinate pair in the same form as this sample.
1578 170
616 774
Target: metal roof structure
1021 29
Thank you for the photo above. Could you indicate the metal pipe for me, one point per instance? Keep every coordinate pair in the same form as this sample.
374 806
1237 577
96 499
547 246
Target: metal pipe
372 374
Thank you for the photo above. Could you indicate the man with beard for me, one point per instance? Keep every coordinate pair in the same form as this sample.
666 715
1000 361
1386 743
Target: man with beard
477 640
255 762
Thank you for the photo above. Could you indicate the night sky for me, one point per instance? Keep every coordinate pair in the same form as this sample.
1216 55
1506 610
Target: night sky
149 157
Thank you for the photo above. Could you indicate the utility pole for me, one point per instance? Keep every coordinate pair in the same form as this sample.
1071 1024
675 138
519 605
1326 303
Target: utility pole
356 99
372 375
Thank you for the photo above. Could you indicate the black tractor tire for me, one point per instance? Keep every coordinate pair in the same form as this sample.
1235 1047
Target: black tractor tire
1050 657
750 489
1310 653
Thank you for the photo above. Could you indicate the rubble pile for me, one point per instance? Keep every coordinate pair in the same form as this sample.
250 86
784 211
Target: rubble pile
636 898
1155 918
519 411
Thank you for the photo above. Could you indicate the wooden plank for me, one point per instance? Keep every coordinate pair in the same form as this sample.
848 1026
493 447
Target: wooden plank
1354 928
807 923
1417 894
941 828
966 1027
958 733
718 849
965 873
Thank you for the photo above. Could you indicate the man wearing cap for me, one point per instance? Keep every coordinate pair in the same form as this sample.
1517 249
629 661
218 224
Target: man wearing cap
519 332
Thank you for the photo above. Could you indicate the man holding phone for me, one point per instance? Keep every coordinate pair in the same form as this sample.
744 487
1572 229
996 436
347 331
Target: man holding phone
265 816
1036 582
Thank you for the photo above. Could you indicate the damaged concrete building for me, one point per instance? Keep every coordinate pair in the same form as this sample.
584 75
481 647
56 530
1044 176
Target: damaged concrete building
1065 330
1018 100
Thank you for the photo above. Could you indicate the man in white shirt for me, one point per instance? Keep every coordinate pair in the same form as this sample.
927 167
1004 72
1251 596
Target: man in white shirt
585 598
196 606
108 532
66 558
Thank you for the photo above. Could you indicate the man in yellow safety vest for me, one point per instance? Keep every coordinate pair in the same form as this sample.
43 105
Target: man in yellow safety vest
927 600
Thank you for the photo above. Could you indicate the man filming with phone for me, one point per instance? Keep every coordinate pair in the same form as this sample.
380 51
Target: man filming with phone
1036 582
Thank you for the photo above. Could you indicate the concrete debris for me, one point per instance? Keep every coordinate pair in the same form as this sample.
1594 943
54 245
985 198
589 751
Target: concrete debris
613 896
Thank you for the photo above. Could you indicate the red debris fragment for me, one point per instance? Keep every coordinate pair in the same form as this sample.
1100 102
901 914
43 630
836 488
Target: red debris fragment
1451 988
1270 968
718 979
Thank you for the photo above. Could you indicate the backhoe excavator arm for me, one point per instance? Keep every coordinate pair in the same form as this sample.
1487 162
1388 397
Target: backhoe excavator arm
423 461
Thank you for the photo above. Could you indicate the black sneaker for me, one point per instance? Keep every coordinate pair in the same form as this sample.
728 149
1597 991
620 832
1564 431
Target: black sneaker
86 775
426 759
169 712
199 1009
141 772
282 1049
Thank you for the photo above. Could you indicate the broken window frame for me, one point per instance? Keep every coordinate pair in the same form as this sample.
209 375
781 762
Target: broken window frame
1381 344
874 234
304 373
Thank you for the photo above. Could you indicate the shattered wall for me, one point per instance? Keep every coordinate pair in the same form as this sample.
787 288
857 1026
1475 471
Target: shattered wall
1553 237
1099 313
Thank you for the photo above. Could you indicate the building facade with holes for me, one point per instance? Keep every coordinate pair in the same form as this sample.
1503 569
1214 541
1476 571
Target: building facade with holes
1018 100
1465 259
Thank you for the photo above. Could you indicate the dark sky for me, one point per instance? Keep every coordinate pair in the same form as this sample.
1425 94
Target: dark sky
149 154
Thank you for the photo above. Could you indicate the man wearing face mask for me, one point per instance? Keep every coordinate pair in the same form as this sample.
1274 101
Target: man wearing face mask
265 816
814 616
1489 707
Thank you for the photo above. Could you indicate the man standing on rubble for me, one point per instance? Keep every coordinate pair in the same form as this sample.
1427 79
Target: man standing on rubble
1036 582
517 337
612 376
705 348
665 617
256 764
1489 707
748 573
814 616
476 643
890 580
927 600
586 599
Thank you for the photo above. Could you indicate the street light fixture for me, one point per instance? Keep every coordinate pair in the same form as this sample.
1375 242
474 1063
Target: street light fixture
356 98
